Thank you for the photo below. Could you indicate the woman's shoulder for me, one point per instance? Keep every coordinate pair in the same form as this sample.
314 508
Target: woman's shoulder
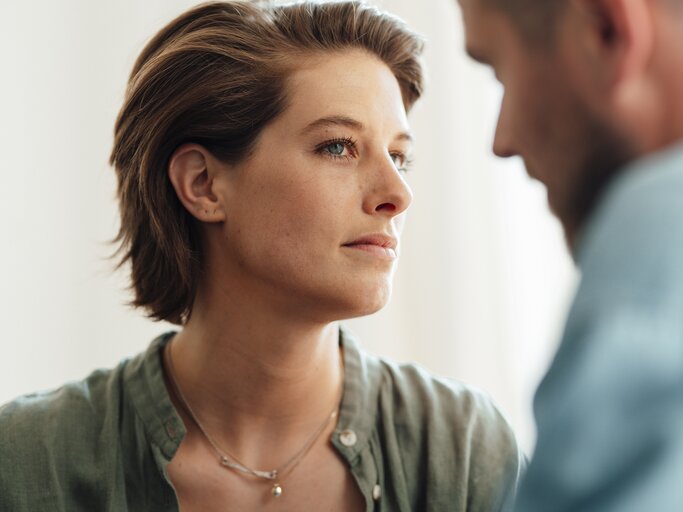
452 430
29 420
48 440
419 399
432 391
76 407
49 435
448 407
73 444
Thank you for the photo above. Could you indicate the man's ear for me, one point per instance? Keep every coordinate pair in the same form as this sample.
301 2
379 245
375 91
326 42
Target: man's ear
616 41
191 172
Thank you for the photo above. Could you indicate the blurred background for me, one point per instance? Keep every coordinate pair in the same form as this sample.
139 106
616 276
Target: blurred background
484 279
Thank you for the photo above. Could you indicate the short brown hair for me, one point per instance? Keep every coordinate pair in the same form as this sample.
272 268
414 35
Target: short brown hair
535 18
216 76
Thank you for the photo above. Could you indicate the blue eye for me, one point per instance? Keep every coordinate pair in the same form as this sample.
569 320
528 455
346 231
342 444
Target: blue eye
336 148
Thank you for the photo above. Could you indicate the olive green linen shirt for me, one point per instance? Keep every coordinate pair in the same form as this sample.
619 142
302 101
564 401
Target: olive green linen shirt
413 442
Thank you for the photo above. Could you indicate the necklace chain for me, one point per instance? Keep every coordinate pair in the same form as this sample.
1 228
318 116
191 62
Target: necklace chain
228 460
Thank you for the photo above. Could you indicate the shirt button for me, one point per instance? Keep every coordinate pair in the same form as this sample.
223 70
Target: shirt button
376 492
348 438
171 430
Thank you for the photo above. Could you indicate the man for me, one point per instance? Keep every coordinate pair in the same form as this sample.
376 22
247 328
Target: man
594 105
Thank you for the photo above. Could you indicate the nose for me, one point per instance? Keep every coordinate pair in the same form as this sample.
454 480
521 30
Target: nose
388 194
503 145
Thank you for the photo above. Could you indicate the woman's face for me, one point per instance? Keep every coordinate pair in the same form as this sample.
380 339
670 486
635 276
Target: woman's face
314 214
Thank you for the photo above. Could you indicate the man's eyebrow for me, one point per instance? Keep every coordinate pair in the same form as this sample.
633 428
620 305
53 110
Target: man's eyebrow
347 122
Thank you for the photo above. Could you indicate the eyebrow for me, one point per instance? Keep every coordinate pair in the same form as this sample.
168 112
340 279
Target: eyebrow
347 122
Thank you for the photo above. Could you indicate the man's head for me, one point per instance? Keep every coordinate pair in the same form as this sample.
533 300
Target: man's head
589 85
533 18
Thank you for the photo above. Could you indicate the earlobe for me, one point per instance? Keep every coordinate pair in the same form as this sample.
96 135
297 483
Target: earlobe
188 170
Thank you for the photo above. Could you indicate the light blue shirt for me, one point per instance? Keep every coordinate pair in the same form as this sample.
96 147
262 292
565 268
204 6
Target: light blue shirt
610 409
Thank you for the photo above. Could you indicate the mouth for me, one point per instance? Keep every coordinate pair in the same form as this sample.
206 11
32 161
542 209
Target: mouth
379 245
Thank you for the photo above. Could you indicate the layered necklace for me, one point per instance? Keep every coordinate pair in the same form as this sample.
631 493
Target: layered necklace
228 460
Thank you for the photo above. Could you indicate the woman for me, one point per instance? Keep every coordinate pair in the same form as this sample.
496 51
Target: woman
260 153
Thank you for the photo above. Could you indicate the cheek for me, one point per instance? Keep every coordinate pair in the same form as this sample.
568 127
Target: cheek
546 130
520 111
291 220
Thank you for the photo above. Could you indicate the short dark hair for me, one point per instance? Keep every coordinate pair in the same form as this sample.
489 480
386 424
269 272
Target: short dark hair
216 76
535 18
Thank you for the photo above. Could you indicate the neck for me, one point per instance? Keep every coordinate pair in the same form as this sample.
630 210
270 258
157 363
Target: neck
252 372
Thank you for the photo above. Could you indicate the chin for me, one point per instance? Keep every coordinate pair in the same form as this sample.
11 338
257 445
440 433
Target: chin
366 302
353 297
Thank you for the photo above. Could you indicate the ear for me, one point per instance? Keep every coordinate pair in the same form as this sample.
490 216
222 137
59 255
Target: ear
617 39
191 170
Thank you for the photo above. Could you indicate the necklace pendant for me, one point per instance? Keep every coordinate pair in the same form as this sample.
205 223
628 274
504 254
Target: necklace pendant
277 490
269 475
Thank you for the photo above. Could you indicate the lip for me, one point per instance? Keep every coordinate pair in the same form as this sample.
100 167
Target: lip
377 244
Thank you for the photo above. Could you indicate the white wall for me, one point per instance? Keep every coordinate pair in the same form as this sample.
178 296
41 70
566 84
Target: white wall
484 278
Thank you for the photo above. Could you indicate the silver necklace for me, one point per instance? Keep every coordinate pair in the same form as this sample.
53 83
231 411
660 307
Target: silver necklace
229 461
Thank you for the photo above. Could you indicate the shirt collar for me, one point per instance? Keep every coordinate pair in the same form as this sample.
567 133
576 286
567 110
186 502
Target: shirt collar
359 403
145 386
639 173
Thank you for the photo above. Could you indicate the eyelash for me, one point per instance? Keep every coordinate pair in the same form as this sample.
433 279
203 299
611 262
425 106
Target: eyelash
351 146
407 161
348 142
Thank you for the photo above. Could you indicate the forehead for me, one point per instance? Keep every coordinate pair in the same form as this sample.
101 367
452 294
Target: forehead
351 82
486 28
